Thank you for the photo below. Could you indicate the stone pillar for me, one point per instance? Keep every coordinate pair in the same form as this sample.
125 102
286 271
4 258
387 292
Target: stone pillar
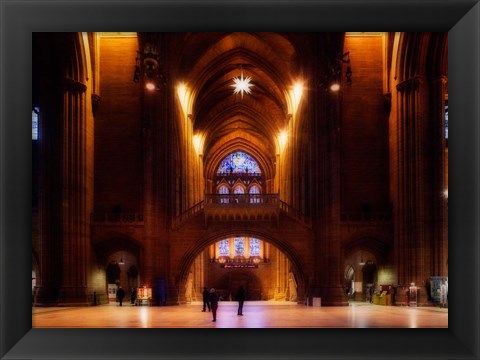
66 178
419 207
328 283
77 163
440 206
50 215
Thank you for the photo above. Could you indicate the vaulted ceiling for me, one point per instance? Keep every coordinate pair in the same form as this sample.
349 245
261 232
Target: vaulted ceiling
275 62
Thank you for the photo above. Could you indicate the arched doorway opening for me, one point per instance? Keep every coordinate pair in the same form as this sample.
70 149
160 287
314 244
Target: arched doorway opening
121 270
118 264
265 271
361 274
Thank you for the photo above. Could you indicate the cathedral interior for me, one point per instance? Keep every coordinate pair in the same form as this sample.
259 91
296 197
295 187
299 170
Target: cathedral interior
297 165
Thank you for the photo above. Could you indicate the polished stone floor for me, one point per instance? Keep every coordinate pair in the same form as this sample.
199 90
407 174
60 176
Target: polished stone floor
264 314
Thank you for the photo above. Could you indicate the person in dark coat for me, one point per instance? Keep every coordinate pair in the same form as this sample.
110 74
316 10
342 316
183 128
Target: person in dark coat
206 303
133 296
120 295
213 300
240 297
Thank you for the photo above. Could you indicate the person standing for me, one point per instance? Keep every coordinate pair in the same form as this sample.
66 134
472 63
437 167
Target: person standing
133 296
120 295
240 297
213 300
206 303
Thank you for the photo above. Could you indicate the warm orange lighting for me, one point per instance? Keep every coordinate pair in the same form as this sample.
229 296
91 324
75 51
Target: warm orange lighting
335 87
445 193
295 96
197 144
242 85
184 96
282 140
297 90
150 86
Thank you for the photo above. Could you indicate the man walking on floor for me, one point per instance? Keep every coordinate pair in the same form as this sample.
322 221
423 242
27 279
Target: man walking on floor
206 303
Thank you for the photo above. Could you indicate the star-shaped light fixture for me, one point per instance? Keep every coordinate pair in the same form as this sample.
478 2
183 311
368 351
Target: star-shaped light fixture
242 85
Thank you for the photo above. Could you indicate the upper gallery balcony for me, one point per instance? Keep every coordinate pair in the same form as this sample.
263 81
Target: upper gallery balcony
241 207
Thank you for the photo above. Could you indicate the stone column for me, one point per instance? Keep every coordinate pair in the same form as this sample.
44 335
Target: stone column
440 183
77 192
66 178
50 215
419 208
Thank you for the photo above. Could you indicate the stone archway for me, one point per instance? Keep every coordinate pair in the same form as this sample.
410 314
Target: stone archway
118 264
293 268
365 254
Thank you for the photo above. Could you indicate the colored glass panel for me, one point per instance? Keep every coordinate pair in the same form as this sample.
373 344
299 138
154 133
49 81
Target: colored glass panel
223 190
254 190
239 190
239 163
35 123
239 245
224 248
254 247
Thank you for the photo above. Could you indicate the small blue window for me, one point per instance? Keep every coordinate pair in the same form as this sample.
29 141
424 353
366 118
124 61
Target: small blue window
35 113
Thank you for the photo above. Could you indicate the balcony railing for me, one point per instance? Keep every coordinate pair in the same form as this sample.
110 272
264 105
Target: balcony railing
241 200
241 207
186 215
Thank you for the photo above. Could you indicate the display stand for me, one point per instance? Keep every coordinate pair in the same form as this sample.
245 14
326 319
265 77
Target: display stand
144 296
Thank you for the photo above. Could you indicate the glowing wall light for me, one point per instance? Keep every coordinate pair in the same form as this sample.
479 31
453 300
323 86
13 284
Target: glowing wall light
282 140
335 86
150 86
184 95
197 144
295 96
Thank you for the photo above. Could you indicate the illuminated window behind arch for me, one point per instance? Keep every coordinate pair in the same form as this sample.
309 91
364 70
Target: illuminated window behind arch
238 163
224 248
239 247
254 247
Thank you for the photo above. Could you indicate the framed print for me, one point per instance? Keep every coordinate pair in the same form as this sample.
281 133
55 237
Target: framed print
233 180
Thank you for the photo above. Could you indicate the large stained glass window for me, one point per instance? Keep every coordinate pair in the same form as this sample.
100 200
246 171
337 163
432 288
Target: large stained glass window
254 247
239 245
224 248
239 163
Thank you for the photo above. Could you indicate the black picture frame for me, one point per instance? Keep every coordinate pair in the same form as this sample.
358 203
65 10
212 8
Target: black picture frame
18 19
